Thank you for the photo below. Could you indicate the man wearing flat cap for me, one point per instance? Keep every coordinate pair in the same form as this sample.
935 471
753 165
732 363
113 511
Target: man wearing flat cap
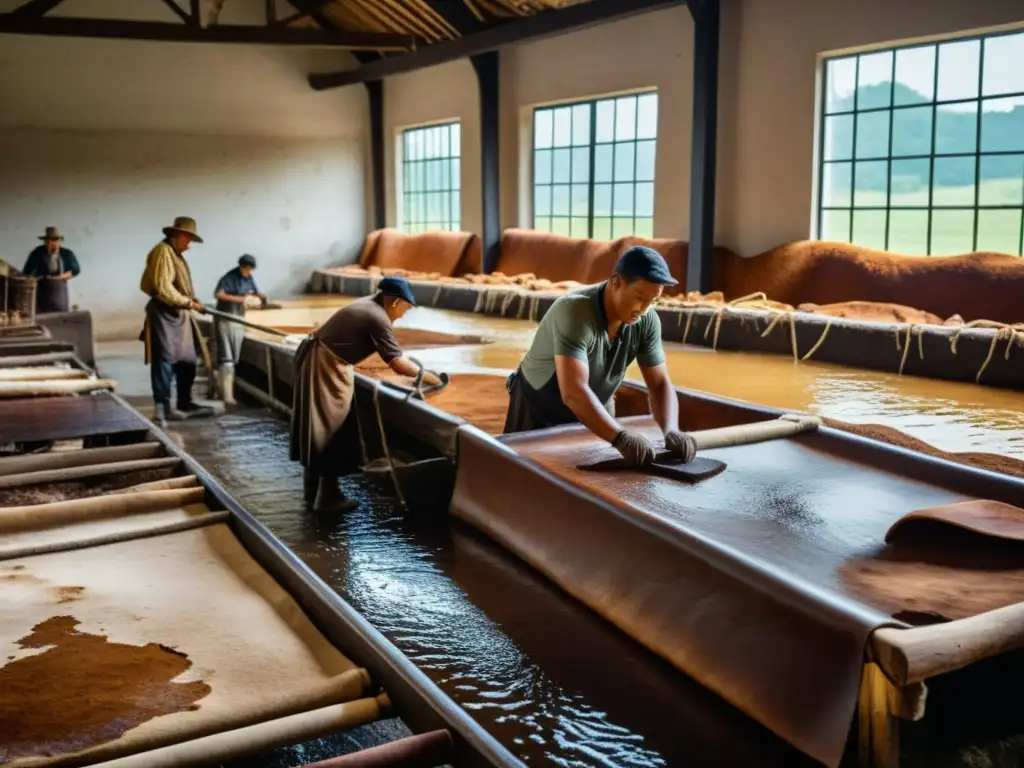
580 354
235 291
53 265
170 330
323 437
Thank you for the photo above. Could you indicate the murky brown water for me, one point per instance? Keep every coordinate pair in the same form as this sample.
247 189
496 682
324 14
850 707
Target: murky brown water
555 683
951 416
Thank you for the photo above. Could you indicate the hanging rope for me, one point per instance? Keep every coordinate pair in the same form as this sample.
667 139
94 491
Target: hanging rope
1013 334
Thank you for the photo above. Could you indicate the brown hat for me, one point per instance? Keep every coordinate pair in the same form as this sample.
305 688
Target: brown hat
52 233
186 225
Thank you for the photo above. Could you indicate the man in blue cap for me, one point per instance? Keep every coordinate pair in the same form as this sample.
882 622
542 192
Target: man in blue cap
323 437
580 354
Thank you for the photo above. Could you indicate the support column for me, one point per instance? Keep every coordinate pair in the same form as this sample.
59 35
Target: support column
703 150
375 89
487 72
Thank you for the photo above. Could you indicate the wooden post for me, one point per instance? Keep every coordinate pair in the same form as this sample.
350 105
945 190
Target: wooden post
487 74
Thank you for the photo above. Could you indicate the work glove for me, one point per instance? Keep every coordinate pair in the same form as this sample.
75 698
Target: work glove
253 302
636 449
681 445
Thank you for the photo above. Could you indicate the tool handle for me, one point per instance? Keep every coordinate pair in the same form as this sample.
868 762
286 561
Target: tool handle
786 425
246 323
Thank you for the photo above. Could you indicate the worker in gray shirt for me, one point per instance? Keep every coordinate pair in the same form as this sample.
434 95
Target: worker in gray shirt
235 291
580 353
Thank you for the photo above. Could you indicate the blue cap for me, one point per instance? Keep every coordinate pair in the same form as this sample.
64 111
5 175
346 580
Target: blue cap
398 287
646 264
245 260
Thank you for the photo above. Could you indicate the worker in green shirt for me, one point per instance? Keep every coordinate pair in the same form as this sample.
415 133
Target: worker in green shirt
580 354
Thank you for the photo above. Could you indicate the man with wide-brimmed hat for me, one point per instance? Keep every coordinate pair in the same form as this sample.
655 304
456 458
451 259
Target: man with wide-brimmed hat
323 437
235 291
170 330
53 265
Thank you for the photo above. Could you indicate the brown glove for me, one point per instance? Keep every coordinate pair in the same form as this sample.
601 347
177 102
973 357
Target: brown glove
636 449
681 444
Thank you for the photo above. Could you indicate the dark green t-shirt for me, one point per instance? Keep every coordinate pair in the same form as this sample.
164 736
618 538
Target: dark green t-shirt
577 326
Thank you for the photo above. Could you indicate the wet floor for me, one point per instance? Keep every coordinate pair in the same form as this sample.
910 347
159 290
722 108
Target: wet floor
951 416
555 683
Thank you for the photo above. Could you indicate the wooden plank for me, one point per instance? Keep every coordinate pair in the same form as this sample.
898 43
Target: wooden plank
65 418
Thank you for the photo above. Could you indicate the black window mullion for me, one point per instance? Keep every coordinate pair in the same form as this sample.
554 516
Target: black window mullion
977 144
593 169
636 151
931 163
853 149
888 166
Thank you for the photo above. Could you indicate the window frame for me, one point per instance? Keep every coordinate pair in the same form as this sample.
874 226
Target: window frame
934 104
592 146
452 219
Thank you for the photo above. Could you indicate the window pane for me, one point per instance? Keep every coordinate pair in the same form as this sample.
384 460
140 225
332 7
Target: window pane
869 229
563 127
956 129
542 201
958 70
456 173
622 227
456 139
560 200
870 183
954 181
915 77
581 164
581 125
874 80
602 200
911 183
625 157
912 131
542 224
1004 65
580 199
578 227
839 137
606 120
603 163
645 154
1002 180
644 227
908 232
837 184
873 134
560 226
455 209
542 166
647 116
1002 124
841 79
561 164
645 200
999 231
952 232
835 226
625 118
622 202
603 228
542 128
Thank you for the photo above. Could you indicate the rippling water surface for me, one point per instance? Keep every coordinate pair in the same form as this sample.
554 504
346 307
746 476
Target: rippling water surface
556 684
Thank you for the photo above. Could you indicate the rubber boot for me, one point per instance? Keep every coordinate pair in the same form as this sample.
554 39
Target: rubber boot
330 497
226 383
310 485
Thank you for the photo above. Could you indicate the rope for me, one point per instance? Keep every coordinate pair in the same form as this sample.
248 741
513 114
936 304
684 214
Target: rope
437 295
792 331
821 340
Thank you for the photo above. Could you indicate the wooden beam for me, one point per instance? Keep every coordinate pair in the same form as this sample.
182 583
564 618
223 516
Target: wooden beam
173 5
270 10
375 90
544 24
487 74
703 150
196 13
35 8
146 30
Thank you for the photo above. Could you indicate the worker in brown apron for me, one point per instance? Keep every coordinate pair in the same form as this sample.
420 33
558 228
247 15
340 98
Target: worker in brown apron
170 331
323 437
53 266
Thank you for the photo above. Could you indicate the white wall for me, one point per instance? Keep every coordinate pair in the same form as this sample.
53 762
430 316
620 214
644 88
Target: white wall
110 140
768 73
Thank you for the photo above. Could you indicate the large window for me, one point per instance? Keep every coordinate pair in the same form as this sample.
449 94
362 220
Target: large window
593 167
430 178
923 147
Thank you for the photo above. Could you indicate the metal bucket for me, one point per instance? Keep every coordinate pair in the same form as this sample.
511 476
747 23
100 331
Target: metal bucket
19 300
